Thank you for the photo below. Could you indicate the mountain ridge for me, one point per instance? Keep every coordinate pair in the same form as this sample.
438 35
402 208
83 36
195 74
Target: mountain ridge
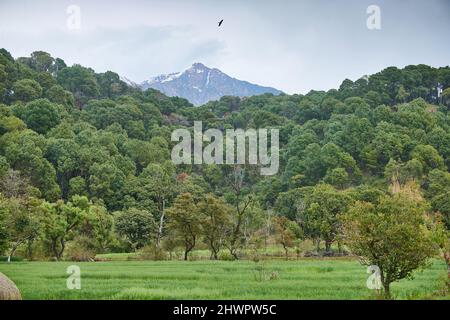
200 84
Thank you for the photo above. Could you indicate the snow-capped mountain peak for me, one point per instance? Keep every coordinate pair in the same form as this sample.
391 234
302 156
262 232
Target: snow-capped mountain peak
200 84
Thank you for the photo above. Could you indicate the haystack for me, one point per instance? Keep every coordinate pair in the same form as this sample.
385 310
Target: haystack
8 290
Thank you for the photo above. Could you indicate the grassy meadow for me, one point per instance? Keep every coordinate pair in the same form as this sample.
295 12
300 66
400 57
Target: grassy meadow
331 278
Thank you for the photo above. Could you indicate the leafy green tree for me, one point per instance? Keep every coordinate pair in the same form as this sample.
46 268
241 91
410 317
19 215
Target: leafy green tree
137 226
239 195
60 220
45 80
80 81
143 153
107 182
98 227
57 94
286 232
402 95
337 177
215 220
288 203
64 155
428 157
184 221
40 115
110 84
23 150
27 90
323 205
157 182
41 61
438 182
8 122
441 203
403 172
446 96
391 235
77 186
21 223
4 166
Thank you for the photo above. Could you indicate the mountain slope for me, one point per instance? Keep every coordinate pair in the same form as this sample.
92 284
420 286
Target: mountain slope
200 84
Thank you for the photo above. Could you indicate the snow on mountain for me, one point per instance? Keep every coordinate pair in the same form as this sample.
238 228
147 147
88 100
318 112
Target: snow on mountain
200 84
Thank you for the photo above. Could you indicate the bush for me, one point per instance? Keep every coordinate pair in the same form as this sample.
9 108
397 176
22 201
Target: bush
80 254
226 256
152 252
81 249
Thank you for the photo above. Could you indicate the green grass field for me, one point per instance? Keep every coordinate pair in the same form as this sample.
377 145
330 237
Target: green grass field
302 279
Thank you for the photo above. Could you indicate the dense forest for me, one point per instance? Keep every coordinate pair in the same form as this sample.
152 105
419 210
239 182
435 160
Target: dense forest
85 166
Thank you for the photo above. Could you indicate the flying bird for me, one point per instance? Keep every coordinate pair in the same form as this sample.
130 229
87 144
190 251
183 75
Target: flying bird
220 22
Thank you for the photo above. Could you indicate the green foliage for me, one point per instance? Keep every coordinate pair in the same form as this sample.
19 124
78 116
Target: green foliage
137 226
40 115
27 90
391 235
428 157
60 220
58 95
322 206
80 81
215 222
286 232
184 221
90 145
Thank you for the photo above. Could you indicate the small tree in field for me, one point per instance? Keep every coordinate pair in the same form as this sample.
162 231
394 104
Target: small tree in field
215 219
60 220
21 223
184 221
285 232
137 226
391 235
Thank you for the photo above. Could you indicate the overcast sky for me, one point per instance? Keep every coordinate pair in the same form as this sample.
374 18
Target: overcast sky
295 46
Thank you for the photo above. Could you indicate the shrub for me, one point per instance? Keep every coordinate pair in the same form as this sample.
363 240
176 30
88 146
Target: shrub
225 256
81 249
152 252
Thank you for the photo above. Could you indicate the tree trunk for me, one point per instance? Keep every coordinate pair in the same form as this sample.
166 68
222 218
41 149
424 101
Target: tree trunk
60 252
214 253
161 224
30 250
10 255
233 252
189 245
339 247
327 246
54 249
317 244
387 290
386 285
13 250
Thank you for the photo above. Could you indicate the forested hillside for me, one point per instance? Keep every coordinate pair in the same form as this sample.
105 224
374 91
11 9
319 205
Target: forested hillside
85 159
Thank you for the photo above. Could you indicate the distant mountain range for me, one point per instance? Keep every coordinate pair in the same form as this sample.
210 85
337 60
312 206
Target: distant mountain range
200 84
